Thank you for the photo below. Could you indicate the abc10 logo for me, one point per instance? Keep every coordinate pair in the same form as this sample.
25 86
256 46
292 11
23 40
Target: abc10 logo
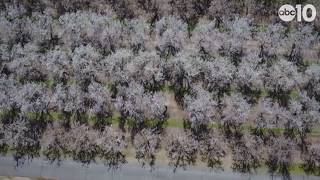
288 13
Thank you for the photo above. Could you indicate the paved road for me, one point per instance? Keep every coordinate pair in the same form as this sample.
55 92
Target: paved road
70 170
